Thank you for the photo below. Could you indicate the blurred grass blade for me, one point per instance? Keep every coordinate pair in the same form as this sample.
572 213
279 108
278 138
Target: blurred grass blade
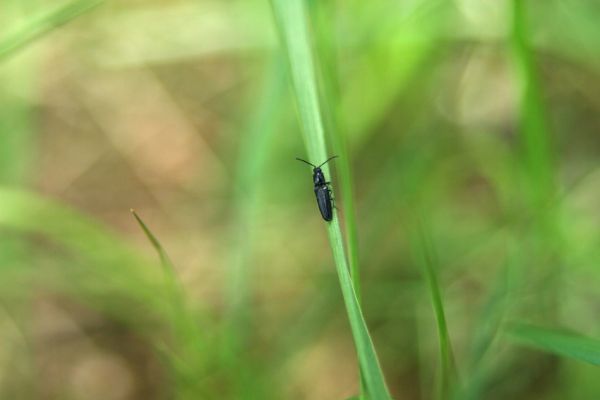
38 26
17 127
27 212
539 169
253 157
482 358
423 250
171 285
534 130
105 264
191 344
164 258
291 19
556 342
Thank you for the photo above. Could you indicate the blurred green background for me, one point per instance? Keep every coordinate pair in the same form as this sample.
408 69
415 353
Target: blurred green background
472 132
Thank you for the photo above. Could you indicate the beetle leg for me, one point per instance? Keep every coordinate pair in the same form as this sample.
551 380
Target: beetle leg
332 199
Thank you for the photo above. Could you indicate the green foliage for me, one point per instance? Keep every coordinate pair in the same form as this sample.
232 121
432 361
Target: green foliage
561 343
466 187
37 26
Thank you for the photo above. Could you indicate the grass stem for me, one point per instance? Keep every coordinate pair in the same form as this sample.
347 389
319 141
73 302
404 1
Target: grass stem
292 22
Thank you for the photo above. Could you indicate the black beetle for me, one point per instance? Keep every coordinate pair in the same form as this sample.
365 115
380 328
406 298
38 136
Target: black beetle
322 190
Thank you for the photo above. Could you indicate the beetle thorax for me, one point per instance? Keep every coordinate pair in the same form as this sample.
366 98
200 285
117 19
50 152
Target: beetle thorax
318 177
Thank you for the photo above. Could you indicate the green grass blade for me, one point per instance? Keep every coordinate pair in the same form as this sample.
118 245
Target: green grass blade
322 14
164 258
534 131
24 211
254 152
16 122
17 127
486 338
37 27
252 161
189 359
17 98
172 286
423 251
291 19
539 172
369 364
556 342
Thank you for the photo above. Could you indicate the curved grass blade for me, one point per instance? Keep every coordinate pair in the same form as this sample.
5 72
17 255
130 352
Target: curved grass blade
291 20
164 258
172 287
191 343
553 341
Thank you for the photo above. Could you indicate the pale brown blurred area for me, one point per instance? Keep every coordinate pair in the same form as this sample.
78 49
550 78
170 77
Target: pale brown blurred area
84 356
118 138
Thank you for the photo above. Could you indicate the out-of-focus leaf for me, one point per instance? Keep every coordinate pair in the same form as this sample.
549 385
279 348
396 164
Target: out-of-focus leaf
38 26
556 342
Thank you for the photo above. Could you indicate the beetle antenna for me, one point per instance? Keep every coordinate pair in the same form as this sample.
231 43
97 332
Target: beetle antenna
329 159
304 161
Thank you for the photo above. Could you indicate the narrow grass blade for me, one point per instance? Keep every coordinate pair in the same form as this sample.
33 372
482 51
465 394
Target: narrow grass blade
19 84
164 258
369 364
17 128
37 27
321 12
556 342
486 339
191 353
171 284
425 257
326 66
16 120
291 19
252 160
539 170
27 212
534 130
254 152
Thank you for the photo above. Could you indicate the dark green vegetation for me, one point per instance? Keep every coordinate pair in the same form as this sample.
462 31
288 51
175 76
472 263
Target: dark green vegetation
464 262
